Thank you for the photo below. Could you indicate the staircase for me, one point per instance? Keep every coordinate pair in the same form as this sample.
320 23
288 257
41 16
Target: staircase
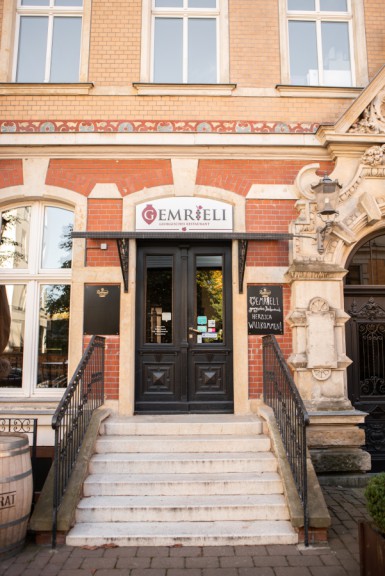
187 479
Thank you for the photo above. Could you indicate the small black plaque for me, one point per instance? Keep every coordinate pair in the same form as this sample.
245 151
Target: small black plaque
265 310
101 309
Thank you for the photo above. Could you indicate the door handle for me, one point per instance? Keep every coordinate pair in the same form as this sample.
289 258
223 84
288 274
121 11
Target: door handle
191 329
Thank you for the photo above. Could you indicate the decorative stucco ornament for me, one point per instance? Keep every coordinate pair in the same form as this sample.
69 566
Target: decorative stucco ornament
372 119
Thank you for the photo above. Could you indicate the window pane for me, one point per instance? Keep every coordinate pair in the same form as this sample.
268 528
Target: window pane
57 240
35 2
12 322
209 299
168 3
66 50
305 5
168 50
333 6
159 312
202 3
32 49
202 50
303 53
68 2
336 54
53 336
14 241
368 263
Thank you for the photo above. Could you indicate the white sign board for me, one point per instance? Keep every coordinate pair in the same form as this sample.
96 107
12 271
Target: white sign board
184 214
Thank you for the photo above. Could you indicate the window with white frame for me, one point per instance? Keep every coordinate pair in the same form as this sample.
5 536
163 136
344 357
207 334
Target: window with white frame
35 265
48 41
320 42
185 41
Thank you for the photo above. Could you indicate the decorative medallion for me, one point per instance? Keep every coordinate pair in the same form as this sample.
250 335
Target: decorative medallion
321 373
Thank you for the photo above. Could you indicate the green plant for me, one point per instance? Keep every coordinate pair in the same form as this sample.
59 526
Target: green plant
375 498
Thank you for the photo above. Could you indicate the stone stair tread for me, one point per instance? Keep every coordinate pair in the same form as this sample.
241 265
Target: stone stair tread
219 533
206 501
187 478
181 456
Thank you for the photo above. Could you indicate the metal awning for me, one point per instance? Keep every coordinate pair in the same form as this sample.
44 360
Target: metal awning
243 238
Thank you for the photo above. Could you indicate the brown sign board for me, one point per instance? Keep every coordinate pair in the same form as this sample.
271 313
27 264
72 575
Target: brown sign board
264 310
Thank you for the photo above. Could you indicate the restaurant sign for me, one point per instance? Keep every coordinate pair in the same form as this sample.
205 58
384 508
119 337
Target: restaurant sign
265 310
184 214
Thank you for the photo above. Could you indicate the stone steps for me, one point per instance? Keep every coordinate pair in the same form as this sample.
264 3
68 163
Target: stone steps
175 480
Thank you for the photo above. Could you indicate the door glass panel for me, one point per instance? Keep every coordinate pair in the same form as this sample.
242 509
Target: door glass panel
159 298
368 263
14 240
53 336
12 323
209 299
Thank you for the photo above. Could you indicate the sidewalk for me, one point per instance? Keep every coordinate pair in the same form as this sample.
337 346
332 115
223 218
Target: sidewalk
339 558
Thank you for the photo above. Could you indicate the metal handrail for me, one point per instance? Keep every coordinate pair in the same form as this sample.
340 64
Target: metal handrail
281 394
24 425
83 395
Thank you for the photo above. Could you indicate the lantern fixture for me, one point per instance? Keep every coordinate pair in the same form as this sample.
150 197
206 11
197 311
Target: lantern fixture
326 195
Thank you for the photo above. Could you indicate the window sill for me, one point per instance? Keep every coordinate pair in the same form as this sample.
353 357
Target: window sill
44 89
156 89
292 91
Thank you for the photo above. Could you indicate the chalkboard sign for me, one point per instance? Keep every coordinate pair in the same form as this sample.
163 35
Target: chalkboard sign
265 310
101 309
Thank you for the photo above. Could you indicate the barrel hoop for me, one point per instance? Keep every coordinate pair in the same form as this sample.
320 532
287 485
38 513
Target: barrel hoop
15 478
16 452
14 522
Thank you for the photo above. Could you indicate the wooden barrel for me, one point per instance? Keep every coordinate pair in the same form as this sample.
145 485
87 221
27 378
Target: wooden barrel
15 491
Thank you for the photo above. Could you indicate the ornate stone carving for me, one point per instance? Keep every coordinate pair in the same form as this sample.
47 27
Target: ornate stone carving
370 310
373 156
372 119
321 373
319 305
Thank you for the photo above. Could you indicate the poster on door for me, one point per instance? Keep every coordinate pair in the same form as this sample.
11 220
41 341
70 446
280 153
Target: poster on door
265 310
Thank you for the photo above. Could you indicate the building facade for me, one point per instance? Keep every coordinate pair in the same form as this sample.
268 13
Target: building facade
157 168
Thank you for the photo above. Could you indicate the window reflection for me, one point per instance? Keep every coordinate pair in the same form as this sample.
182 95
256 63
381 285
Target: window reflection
14 240
57 240
12 323
368 264
209 299
53 336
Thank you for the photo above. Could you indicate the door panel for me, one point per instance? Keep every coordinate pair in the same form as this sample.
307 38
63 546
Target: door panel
183 332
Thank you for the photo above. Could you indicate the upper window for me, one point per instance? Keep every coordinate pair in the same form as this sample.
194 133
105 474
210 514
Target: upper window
320 42
186 42
48 40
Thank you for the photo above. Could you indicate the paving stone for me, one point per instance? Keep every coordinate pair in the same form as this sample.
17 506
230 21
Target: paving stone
184 572
136 562
260 571
164 562
250 550
282 550
218 551
186 551
293 571
331 571
236 561
270 561
120 552
98 563
304 561
203 562
148 572
220 572
153 551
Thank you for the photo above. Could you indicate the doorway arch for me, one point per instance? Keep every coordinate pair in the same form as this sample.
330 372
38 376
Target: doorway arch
364 294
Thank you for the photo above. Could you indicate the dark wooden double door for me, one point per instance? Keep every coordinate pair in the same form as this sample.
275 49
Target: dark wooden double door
184 360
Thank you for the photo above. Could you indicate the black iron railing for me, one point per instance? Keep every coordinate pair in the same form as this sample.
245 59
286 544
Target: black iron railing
24 425
281 394
84 394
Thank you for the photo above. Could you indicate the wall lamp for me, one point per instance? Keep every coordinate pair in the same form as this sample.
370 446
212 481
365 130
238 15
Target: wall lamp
326 195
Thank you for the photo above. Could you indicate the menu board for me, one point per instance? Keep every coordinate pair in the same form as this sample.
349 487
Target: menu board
265 310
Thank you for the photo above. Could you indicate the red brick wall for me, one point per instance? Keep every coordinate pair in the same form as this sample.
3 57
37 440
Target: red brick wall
103 215
11 173
239 175
111 366
128 175
255 350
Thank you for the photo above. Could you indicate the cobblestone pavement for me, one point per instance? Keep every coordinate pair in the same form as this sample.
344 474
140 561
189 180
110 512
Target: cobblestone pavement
339 558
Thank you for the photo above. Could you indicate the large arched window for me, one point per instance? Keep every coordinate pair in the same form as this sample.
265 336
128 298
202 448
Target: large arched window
35 274
367 266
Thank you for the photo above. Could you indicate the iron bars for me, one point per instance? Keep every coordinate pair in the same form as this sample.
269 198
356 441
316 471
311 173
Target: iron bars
84 394
281 394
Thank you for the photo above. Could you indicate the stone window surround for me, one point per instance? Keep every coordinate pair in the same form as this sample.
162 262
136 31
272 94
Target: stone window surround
359 64
7 45
147 46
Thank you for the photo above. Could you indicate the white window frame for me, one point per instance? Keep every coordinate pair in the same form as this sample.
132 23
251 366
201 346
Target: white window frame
33 277
355 18
10 32
149 12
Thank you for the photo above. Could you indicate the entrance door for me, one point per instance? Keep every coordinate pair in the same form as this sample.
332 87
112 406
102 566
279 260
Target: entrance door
365 342
183 331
